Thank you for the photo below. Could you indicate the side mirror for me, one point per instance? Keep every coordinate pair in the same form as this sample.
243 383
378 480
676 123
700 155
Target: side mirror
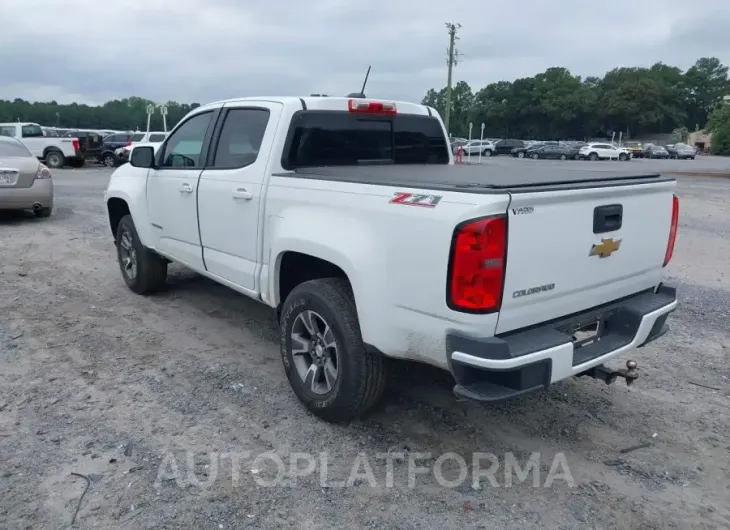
142 156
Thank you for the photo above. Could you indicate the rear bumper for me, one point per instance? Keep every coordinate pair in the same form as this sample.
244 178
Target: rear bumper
497 368
41 192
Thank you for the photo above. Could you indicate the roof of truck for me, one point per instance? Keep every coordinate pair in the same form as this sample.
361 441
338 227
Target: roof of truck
325 103
514 177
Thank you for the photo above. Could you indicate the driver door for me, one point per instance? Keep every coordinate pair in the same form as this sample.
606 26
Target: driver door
172 188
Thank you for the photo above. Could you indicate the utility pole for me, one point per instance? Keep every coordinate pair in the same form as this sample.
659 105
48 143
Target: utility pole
451 61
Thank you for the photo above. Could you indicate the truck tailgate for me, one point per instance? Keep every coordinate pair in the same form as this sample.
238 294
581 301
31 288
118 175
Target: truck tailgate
573 249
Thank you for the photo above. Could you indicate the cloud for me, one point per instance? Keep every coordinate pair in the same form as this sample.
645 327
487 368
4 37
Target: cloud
204 50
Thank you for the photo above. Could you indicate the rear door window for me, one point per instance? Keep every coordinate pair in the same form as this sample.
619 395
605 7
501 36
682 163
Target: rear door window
31 131
137 137
159 137
332 138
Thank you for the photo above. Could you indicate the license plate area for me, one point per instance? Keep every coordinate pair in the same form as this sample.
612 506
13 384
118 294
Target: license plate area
585 334
8 177
588 329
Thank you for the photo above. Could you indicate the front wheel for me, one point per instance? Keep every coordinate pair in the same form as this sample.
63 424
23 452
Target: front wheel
593 157
521 154
109 160
487 153
563 157
143 270
328 366
622 157
534 156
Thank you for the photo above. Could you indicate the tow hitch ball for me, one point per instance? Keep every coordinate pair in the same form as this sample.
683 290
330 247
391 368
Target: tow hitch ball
630 373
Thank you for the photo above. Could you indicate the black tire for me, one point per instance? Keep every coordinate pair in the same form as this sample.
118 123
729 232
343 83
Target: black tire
151 269
109 160
521 154
43 212
487 153
361 375
563 157
534 156
55 159
593 157
622 157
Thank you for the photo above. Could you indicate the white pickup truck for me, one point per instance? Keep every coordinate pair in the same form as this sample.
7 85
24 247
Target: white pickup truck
54 151
348 216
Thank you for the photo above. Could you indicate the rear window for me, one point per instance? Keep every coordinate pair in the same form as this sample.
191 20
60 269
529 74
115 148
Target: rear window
137 137
159 137
14 149
327 138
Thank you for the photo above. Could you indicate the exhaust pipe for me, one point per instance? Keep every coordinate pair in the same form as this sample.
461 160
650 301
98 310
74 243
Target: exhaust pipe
37 206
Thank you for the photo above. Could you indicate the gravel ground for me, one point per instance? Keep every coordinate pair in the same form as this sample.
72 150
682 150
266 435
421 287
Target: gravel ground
123 389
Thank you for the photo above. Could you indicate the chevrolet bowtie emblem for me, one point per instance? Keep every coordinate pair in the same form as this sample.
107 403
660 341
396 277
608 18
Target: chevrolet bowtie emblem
605 248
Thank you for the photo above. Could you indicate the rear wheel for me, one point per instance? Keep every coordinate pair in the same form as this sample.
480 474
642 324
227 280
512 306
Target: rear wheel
593 157
54 159
563 157
534 156
521 154
143 270
487 153
328 366
622 157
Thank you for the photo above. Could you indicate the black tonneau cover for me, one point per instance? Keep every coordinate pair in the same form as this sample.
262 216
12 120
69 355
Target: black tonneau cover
520 176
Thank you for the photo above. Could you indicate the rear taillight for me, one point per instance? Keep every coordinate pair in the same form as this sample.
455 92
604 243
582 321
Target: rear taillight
371 107
43 172
75 144
672 231
477 265
129 142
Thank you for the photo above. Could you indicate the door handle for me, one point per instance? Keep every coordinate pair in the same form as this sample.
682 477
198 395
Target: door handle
241 193
186 188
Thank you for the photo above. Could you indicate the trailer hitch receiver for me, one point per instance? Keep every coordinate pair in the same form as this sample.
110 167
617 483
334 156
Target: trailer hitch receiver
629 374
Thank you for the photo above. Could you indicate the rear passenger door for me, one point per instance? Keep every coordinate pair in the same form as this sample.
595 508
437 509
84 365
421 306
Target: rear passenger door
230 192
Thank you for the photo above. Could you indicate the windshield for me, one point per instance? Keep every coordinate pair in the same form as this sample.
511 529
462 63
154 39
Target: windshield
326 138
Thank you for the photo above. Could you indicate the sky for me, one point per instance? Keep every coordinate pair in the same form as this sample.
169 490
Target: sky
91 51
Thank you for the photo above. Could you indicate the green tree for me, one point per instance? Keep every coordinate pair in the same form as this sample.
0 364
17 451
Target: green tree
556 104
719 125
707 82
129 113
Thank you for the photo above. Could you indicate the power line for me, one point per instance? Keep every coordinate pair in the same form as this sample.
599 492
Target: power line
451 60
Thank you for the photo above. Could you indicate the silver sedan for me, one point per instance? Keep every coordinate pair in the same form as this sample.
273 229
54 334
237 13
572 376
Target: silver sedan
25 183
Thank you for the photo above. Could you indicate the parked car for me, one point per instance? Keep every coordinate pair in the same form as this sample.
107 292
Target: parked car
555 152
681 150
90 144
522 152
505 147
603 151
635 148
151 138
570 298
25 183
55 152
110 144
655 151
473 148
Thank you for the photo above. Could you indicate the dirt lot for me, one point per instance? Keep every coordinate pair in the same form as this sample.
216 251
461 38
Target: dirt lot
98 381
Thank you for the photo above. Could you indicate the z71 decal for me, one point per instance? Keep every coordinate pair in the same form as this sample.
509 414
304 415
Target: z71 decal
416 199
